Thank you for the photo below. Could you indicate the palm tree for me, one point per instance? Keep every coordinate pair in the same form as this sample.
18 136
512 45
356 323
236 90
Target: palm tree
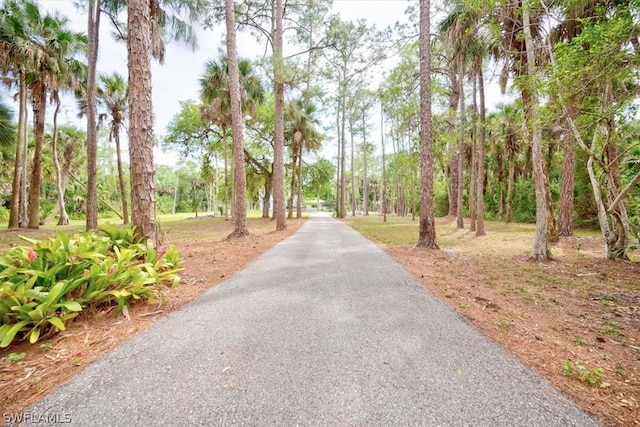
54 67
215 96
113 94
148 22
302 129
16 50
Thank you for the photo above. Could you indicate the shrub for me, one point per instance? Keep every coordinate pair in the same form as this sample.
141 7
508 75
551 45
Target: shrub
44 285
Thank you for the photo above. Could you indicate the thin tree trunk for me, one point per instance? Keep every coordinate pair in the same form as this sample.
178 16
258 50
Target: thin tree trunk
100 199
64 218
365 181
226 171
540 250
143 208
39 110
481 154
383 187
510 187
175 195
294 162
338 168
353 176
427 229
460 189
121 184
278 162
473 185
299 201
19 173
343 159
24 211
93 29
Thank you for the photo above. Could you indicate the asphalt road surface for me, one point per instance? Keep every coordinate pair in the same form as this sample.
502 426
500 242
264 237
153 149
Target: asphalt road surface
323 329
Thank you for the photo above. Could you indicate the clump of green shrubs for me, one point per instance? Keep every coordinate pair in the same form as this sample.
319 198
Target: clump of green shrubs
48 282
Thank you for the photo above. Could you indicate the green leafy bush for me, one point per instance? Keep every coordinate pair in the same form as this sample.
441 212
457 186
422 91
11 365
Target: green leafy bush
44 285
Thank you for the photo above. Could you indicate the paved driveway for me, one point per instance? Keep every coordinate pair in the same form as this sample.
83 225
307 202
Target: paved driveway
324 329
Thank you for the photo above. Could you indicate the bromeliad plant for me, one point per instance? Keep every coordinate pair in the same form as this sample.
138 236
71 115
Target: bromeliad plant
44 285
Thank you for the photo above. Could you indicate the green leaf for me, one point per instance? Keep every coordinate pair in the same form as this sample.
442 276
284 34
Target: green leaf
11 333
54 293
71 305
34 335
57 322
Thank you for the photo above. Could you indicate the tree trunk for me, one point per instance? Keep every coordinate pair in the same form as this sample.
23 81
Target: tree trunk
294 162
473 185
299 202
267 196
239 175
365 181
338 167
121 184
343 159
540 250
383 186
39 109
143 208
19 173
565 213
427 229
460 189
278 162
508 216
481 154
64 218
353 176
93 29
226 171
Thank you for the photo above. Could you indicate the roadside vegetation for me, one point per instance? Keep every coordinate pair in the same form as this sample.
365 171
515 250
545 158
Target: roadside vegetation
29 371
574 320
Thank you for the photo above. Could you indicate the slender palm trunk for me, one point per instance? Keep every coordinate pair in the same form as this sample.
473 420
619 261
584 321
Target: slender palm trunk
299 201
93 29
39 110
460 189
481 154
473 185
510 185
18 171
292 191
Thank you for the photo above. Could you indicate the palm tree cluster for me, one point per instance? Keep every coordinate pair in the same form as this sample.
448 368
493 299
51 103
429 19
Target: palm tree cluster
558 152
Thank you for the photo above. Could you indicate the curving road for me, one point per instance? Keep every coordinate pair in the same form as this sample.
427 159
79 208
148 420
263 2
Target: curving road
323 329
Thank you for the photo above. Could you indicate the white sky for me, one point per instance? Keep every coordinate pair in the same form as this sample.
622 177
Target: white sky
177 79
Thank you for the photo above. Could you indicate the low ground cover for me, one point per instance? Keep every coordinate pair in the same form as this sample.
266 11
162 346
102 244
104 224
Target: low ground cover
574 320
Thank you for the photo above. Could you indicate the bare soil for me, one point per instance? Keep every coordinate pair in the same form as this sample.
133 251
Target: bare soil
565 319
